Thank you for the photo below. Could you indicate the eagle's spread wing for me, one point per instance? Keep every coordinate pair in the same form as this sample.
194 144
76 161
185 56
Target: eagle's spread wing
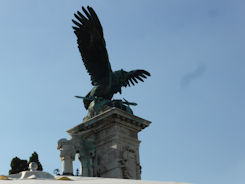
92 45
133 77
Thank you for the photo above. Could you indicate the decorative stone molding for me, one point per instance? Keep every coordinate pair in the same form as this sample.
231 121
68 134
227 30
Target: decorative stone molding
131 168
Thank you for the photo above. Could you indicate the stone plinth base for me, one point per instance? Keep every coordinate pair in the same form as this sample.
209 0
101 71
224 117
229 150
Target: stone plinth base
108 144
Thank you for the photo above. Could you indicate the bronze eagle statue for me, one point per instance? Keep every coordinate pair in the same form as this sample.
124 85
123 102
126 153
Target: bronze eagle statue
92 46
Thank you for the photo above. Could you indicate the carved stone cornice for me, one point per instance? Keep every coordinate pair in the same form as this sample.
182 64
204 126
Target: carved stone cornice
112 115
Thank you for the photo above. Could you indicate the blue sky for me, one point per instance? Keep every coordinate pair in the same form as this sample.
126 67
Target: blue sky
194 50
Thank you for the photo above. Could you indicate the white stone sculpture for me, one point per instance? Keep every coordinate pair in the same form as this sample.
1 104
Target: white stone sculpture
33 173
67 155
33 166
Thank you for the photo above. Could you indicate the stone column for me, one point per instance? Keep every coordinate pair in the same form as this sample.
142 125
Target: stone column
115 150
67 155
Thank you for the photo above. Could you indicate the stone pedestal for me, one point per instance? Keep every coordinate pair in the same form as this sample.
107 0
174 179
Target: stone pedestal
108 144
